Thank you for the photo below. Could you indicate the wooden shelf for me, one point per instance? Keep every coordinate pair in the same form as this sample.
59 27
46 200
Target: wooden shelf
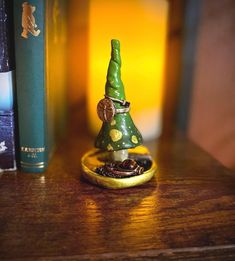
186 212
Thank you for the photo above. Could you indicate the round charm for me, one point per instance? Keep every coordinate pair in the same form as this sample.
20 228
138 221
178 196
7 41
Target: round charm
106 109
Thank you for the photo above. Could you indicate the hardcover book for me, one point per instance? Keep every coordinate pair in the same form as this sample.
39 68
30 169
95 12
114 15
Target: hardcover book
40 44
7 137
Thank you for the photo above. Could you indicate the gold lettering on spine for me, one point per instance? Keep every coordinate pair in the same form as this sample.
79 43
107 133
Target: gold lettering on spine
32 150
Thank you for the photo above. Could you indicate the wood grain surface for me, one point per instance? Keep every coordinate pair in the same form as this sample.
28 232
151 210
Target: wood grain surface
186 213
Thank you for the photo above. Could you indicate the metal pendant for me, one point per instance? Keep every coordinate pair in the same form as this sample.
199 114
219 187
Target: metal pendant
106 110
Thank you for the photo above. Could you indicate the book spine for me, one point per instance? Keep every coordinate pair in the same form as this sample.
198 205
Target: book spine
7 137
30 53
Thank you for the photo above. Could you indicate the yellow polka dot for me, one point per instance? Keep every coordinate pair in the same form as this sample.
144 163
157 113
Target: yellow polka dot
115 135
134 139
113 122
109 147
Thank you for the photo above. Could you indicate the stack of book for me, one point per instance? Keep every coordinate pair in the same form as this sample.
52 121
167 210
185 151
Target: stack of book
36 62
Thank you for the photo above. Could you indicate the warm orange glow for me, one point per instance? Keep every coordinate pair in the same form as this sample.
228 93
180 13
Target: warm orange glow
141 28
77 50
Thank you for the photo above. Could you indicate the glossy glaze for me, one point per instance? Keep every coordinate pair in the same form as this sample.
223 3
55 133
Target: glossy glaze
120 133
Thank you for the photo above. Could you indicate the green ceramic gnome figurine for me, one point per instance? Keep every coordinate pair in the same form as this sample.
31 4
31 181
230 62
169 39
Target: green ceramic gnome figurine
119 161
118 132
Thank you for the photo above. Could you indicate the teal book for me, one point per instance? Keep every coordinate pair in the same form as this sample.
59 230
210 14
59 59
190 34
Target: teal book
40 44
7 108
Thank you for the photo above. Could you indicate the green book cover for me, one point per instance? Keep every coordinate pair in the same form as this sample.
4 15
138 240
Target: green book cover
40 78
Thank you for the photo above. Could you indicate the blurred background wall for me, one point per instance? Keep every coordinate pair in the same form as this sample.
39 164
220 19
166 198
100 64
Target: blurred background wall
212 113
199 91
206 103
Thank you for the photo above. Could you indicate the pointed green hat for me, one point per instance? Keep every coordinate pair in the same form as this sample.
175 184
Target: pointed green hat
121 133
114 86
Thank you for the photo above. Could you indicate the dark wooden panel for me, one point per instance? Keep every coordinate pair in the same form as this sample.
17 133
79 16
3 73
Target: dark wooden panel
186 212
173 65
190 28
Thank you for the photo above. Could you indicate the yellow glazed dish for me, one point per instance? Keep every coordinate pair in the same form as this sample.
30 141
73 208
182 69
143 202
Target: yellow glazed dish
96 158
